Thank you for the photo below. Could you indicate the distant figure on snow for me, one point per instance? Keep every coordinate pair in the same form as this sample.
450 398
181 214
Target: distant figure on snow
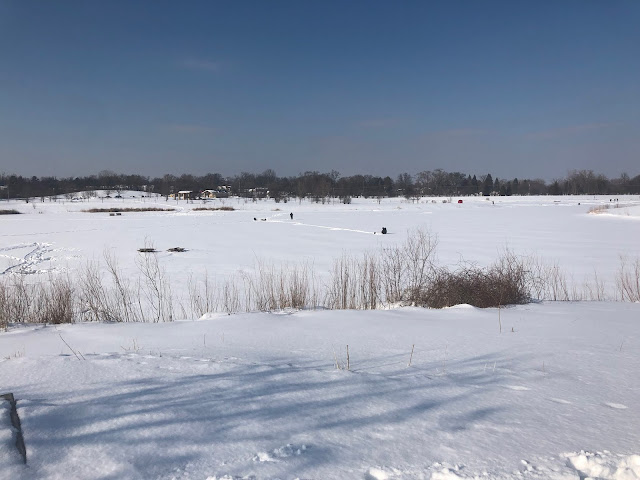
291 215
384 230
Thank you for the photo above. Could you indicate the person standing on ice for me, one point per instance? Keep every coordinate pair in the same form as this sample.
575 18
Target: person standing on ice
291 215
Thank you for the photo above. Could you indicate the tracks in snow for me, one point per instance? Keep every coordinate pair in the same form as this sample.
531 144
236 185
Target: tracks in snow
299 224
30 262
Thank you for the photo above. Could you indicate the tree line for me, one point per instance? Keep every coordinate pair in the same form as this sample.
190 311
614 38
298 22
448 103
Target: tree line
313 184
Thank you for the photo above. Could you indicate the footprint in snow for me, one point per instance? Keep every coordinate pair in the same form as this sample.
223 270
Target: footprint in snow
617 406
288 450
375 473
229 477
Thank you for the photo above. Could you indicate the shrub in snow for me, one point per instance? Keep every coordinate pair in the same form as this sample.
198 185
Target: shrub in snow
504 283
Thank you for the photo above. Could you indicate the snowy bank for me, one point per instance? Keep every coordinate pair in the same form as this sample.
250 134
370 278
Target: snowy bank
258 396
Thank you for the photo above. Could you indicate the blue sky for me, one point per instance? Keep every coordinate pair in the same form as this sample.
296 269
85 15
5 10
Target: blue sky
512 88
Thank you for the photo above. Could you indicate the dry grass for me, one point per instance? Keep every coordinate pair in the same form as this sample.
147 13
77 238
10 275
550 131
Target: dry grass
405 274
280 287
600 208
204 297
51 301
628 279
607 206
408 268
224 209
354 284
396 274
154 290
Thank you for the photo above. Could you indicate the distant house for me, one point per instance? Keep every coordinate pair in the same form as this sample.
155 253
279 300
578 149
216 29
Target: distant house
220 192
185 195
258 192
209 194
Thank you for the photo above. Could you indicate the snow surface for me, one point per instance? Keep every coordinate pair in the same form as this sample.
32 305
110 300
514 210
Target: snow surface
258 396
59 236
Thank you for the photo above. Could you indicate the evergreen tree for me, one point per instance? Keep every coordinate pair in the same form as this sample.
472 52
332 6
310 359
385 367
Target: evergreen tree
474 185
488 185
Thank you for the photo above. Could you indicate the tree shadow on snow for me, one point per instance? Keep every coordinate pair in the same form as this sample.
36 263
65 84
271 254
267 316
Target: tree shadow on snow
161 421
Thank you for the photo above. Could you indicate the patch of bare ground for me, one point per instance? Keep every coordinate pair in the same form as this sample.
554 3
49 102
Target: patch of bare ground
607 206
117 210
224 209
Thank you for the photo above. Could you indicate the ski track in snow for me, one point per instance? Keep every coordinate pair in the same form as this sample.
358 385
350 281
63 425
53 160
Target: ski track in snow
299 224
520 388
38 234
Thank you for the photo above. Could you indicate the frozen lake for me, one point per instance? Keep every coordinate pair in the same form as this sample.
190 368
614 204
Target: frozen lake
61 236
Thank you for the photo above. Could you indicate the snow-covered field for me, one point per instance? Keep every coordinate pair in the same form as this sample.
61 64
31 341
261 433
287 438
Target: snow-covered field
60 236
258 396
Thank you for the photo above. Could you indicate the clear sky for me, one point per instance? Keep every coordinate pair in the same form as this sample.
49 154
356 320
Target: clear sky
513 88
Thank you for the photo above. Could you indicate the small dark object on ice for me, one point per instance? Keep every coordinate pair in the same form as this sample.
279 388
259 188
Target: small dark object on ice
147 250
291 215
177 249
255 219
384 230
